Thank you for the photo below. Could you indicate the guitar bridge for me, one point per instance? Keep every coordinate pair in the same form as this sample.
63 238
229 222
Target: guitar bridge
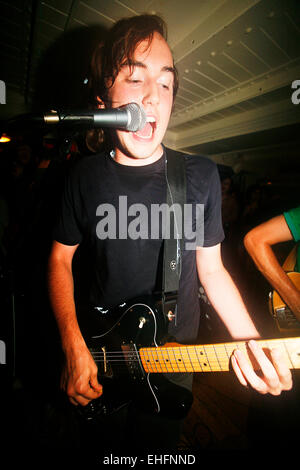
286 318
132 360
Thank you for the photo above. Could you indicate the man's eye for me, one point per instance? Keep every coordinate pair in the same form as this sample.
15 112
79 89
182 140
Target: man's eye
133 80
165 86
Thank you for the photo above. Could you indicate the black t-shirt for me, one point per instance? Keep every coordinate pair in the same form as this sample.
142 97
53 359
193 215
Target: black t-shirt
123 267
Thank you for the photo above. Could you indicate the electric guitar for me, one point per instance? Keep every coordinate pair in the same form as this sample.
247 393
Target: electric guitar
128 345
284 318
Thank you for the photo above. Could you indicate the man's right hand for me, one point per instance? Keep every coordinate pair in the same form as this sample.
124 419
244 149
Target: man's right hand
79 376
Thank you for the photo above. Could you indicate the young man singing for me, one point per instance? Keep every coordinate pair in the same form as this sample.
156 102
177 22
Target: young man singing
136 65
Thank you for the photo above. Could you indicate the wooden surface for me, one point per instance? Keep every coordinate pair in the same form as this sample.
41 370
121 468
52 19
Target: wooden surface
219 416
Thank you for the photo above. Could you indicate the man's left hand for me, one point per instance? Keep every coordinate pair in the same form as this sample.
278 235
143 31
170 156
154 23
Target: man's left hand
273 375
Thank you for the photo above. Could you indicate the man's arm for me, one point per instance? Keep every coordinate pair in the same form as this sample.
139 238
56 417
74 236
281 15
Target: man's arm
226 300
79 377
223 294
258 243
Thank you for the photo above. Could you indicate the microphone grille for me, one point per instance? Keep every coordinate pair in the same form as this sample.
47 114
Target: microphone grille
137 117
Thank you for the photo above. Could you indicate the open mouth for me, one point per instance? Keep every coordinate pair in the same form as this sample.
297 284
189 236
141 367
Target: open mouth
147 131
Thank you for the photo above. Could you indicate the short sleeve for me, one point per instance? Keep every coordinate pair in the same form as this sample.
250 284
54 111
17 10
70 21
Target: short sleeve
292 218
68 229
213 228
204 195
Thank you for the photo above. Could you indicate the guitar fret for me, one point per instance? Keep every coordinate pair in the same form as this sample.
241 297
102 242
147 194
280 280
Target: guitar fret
193 359
169 360
154 360
178 370
202 364
220 361
183 361
191 362
179 360
174 362
288 354
217 357
223 356
162 361
146 357
159 361
151 362
197 363
228 354
207 360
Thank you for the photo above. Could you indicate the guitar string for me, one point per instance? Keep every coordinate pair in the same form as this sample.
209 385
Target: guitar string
176 366
193 364
161 361
160 355
178 356
119 356
126 355
166 363
207 349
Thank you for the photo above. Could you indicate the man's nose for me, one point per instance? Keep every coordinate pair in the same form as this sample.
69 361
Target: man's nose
151 93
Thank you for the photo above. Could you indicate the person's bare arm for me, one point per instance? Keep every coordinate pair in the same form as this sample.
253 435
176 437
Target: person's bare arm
79 376
223 293
258 242
225 298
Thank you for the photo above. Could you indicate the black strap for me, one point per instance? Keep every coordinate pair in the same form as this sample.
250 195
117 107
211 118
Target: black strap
173 245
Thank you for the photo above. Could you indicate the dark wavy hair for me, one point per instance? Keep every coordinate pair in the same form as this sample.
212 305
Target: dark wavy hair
119 45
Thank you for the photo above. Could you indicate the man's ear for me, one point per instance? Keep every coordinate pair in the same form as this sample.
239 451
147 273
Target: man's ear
100 102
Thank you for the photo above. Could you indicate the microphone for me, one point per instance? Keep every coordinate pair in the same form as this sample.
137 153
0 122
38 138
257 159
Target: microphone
130 117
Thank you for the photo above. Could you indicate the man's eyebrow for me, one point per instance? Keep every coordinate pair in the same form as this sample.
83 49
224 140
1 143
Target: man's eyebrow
136 63
166 68
133 63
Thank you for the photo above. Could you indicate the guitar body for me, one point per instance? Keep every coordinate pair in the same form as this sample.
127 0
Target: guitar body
128 343
114 341
283 316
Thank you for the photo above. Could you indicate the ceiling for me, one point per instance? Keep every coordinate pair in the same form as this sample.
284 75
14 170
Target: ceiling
237 60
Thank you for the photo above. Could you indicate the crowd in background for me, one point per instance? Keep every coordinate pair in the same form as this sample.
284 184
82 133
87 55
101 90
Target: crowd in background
33 171
32 178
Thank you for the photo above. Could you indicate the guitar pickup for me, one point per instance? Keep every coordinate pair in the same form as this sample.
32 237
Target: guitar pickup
286 318
280 314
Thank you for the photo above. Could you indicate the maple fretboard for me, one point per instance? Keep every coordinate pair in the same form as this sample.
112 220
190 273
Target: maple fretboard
174 357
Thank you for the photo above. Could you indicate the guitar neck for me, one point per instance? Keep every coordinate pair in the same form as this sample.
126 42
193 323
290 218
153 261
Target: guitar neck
174 357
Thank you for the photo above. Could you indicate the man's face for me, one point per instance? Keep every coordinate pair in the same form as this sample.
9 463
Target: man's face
149 83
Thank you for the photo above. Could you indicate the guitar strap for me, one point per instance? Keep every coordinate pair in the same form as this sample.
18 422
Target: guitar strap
175 173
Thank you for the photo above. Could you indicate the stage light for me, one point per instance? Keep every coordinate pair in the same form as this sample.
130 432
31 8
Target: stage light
4 138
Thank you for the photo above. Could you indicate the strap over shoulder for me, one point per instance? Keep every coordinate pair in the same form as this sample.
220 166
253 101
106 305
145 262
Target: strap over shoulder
175 172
